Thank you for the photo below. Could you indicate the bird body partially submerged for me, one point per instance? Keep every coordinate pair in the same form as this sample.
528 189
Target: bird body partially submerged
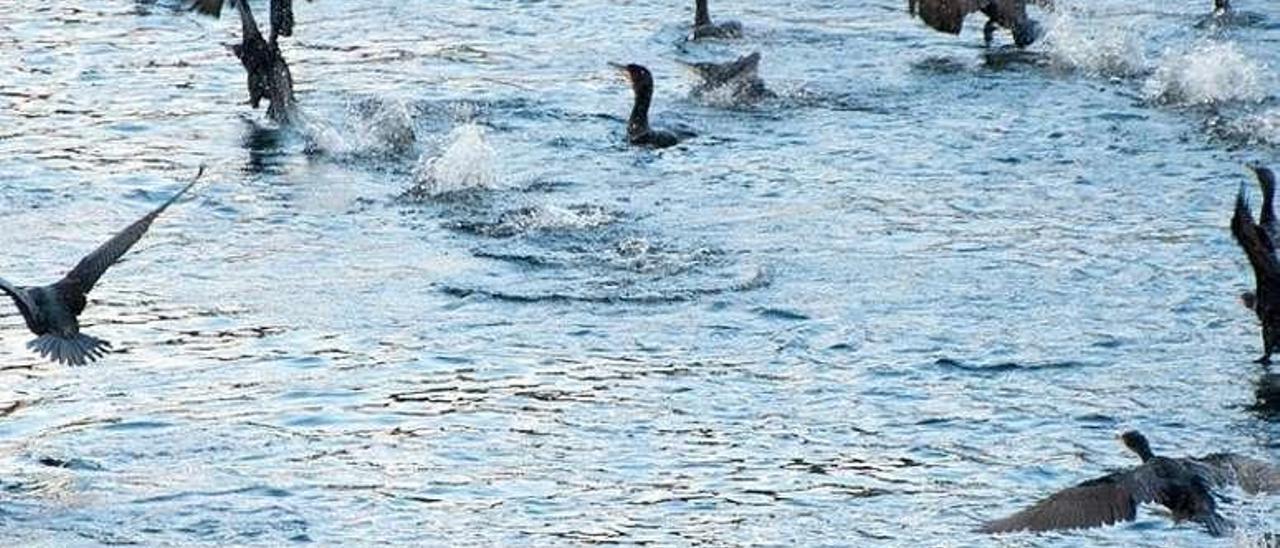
1182 485
1257 239
52 311
948 16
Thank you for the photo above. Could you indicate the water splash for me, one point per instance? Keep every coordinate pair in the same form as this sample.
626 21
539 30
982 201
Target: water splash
370 128
466 163
1212 72
1262 127
1097 49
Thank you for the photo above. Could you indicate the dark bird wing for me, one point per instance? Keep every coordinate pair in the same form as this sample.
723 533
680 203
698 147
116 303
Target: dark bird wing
944 15
21 299
281 18
1102 501
1115 498
1252 475
1267 219
248 26
86 273
1256 245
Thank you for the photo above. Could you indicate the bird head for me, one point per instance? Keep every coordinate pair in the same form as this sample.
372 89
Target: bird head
639 76
1137 443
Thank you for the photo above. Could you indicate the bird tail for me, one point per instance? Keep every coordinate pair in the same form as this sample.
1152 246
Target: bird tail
77 349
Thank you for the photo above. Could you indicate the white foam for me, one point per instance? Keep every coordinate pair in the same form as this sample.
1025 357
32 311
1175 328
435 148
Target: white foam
467 162
1212 72
385 128
1097 49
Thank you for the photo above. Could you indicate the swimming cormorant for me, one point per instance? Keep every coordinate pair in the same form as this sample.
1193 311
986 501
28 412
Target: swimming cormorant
638 130
1257 239
948 16
741 77
51 311
1184 486
704 28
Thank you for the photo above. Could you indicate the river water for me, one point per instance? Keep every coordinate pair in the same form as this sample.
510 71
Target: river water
922 287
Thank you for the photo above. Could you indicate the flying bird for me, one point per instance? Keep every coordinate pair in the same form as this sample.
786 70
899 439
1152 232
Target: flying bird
268 73
1182 485
638 130
1257 239
949 15
51 311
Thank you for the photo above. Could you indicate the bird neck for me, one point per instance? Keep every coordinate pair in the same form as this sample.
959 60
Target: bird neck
1144 452
1268 184
701 16
639 121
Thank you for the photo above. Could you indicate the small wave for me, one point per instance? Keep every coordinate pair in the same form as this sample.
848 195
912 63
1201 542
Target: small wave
467 163
1006 367
1095 49
544 218
1213 72
757 280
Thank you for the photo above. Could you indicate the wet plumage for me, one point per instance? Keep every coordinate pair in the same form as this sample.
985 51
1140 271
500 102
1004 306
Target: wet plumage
638 130
704 28
52 311
1182 485
1257 240
949 15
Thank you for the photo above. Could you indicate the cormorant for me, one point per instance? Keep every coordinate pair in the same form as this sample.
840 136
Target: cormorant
638 130
1257 239
1183 485
268 74
51 311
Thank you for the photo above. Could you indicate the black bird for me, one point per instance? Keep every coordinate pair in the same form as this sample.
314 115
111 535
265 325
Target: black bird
740 77
638 130
1184 486
281 14
1257 239
268 73
51 311
704 28
948 16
